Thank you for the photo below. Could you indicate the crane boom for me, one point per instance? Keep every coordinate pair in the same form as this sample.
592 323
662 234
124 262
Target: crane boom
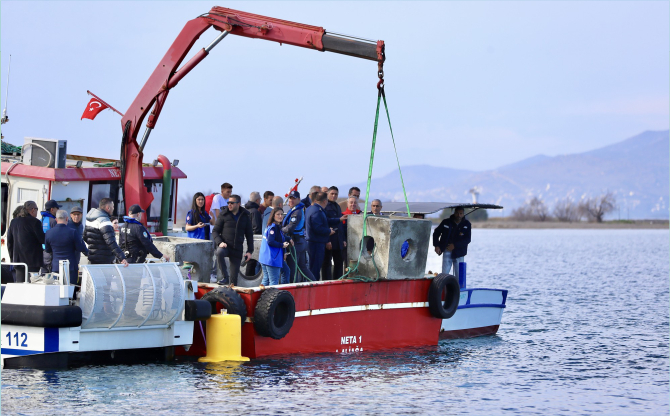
166 76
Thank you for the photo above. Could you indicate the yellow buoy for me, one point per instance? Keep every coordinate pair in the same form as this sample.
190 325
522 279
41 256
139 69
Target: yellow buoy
224 339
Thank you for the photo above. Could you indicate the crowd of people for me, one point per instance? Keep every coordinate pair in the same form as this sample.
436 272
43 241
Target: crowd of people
305 242
58 235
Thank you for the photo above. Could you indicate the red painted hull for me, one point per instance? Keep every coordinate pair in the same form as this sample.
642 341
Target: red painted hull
377 315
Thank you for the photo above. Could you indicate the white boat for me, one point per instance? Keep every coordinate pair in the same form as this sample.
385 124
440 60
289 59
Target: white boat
121 314
479 312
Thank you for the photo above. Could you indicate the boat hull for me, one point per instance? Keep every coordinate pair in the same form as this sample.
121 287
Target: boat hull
342 317
479 313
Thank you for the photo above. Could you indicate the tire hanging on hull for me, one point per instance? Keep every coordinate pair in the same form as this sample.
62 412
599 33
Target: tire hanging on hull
438 308
229 300
274 313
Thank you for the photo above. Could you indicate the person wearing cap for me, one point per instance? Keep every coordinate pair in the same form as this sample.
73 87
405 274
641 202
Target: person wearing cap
25 239
48 222
75 222
135 240
99 235
64 243
293 226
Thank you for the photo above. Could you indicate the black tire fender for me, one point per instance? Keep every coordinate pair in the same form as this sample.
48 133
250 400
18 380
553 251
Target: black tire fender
229 300
274 313
446 309
41 316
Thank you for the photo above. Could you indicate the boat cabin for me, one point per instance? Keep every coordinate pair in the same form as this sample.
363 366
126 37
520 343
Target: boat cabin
42 169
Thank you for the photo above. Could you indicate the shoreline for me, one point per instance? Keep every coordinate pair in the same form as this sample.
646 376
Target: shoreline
606 225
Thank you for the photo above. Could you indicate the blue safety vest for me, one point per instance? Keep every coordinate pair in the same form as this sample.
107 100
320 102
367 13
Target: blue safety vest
300 228
271 256
46 225
46 215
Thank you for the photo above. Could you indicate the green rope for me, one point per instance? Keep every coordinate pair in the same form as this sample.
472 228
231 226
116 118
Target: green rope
367 194
396 153
292 252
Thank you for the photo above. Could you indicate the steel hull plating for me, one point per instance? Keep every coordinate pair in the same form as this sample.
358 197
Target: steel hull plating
342 317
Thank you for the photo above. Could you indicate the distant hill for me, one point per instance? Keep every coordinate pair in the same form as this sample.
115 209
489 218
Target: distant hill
637 170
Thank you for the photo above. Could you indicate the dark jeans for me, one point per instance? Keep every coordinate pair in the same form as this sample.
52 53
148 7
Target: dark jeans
329 272
300 251
235 259
316 254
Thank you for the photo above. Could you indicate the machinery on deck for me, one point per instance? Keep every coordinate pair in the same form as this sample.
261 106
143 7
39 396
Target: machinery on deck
151 99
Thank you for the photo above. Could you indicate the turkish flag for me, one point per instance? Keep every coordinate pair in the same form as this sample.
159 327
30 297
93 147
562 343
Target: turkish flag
93 108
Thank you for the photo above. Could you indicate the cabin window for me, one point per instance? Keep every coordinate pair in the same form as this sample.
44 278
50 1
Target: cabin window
104 189
26 194
156 189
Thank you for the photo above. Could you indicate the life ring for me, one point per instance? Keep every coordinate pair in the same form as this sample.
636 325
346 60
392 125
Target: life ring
438 308
274 313
229 300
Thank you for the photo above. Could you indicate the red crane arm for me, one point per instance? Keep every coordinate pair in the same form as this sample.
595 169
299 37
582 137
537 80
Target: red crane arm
166 76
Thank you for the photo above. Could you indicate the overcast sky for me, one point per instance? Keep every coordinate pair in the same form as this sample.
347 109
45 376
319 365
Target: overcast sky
470 85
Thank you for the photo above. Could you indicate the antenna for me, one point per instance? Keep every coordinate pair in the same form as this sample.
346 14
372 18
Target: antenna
4 118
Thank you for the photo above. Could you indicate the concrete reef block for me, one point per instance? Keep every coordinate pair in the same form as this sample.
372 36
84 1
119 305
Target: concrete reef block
389 233
192 250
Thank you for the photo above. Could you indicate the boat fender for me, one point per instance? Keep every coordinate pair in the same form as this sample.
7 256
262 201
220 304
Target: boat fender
438 308
197 310
41 316
274 313
229 300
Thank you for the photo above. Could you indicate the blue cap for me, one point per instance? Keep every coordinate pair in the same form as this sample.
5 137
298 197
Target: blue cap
294 194
52 204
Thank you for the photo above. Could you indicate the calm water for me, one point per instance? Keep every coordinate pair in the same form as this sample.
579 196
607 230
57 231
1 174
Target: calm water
585 332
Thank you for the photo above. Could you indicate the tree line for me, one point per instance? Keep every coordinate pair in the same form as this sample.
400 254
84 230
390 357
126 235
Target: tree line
566 210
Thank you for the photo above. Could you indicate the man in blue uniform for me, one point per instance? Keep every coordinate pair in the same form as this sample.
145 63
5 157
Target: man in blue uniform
318 232
48 222
451 239
65 244
293 226
135 240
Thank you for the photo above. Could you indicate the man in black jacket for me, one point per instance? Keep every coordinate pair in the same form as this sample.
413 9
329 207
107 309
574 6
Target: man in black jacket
25 238
253 206
99 235
451 239
256 217
232 226
336 246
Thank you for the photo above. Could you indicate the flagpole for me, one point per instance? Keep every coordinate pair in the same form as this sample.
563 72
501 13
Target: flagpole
99 99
